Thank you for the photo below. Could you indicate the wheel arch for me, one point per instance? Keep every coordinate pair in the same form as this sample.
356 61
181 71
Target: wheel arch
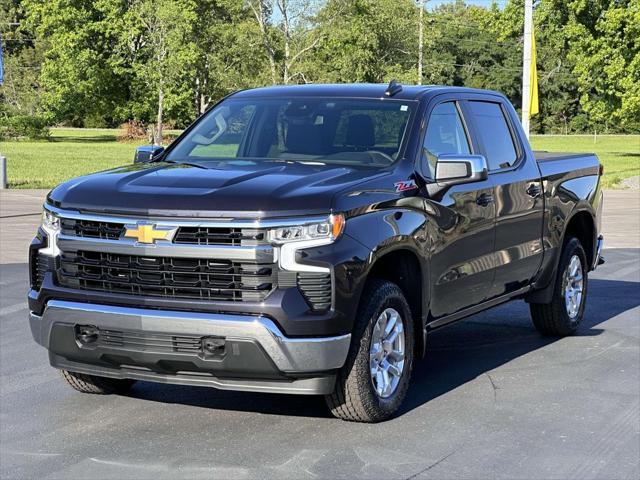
403 267
582 225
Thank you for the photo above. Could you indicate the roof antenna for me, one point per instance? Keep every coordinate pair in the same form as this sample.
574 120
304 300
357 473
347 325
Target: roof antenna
393 88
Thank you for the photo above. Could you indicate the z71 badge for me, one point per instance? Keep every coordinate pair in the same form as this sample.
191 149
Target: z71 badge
405 186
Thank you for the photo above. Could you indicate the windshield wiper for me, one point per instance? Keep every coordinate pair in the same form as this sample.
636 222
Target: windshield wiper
284 160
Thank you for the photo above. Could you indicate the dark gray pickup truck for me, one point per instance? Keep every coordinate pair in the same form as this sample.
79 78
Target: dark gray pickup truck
307 239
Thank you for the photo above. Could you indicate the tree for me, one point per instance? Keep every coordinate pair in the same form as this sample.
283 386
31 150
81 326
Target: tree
263 9
23 57
102 62
165 52
228 56
289 40
605 46
78 79
366 41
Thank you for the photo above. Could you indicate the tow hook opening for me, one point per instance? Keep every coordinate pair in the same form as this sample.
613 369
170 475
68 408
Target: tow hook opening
87 334
213 346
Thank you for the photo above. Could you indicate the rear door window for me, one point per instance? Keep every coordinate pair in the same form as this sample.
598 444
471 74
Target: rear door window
495 134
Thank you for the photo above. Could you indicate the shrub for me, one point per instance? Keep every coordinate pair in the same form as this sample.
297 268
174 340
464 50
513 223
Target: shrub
94 120
132 130
21 126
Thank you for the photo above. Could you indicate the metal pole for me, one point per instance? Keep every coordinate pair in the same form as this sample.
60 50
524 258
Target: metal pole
526 65
420 40
3 172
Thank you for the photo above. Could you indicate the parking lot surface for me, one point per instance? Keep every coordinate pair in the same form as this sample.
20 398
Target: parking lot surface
492 398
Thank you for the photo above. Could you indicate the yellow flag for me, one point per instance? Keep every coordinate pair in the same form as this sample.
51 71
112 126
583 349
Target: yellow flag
533 100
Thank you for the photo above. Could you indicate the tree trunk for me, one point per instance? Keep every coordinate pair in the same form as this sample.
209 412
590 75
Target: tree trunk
200 100
196 97
259 11
204 103
272 64
287 40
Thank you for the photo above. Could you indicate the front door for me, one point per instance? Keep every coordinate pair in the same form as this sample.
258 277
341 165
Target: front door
461 220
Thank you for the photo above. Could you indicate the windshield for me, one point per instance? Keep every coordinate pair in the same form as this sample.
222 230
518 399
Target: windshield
357 132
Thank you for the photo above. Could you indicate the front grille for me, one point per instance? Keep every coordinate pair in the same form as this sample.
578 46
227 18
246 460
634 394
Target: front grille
92 229
148 341
316 289
184 235
169 277
218 236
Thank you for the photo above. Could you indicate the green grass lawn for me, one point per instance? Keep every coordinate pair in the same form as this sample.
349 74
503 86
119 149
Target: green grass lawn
73 152
620 155
69 153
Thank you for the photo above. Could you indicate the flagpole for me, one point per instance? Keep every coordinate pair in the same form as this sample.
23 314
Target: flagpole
421 4
526 65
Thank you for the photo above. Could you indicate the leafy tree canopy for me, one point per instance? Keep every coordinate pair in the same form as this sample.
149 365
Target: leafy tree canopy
104 62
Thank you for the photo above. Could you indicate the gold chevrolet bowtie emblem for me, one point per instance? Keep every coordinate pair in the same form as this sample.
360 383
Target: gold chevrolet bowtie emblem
147 233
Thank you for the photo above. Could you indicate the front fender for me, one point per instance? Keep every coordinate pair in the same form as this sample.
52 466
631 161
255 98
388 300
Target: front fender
391 230
367 238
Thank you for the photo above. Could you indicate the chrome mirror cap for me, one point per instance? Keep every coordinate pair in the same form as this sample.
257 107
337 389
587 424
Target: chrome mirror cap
146 153
452 169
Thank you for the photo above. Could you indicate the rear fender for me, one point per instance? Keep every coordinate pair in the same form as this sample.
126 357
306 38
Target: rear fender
564 200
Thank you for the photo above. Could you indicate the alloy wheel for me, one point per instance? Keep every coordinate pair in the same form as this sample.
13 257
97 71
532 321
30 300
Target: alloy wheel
387 352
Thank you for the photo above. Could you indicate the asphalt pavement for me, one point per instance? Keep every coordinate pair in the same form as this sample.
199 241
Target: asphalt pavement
492 398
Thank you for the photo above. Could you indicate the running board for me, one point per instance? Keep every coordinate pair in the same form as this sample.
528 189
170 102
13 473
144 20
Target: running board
441 322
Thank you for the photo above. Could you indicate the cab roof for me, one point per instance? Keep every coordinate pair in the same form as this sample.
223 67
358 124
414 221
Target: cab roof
353 90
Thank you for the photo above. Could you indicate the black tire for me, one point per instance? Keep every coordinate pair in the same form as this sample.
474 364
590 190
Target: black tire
551 319
354 397
96 385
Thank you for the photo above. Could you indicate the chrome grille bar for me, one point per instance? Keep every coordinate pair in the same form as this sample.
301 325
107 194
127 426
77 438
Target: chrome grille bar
127 246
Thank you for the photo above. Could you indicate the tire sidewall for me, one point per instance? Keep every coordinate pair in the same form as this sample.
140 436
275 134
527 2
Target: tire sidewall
572 247
386 296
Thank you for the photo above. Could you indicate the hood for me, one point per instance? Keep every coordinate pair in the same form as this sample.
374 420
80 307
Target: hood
254 190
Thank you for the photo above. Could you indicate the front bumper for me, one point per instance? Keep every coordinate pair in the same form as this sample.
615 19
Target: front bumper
169 347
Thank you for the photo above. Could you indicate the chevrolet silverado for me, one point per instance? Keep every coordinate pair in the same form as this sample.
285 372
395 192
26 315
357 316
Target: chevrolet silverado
307 240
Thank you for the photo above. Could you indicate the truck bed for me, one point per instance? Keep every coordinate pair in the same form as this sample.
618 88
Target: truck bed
544 156
559 167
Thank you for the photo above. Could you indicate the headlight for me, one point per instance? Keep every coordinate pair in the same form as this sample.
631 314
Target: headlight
329 230
51 225
50 221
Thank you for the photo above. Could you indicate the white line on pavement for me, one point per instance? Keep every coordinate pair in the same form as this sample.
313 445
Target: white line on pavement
623 272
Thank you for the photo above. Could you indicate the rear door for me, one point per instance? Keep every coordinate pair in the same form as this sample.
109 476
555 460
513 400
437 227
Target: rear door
518 195
462 233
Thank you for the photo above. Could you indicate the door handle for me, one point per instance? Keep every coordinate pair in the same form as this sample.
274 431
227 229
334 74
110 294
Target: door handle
534 190
484 199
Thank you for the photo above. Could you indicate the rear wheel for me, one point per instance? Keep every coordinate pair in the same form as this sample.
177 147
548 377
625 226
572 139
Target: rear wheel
96 385
374 381
563 314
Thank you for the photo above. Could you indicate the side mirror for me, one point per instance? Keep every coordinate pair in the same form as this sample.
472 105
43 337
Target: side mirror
454 168
146 153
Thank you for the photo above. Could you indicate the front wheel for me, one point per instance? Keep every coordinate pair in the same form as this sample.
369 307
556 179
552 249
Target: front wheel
374 380
563 314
